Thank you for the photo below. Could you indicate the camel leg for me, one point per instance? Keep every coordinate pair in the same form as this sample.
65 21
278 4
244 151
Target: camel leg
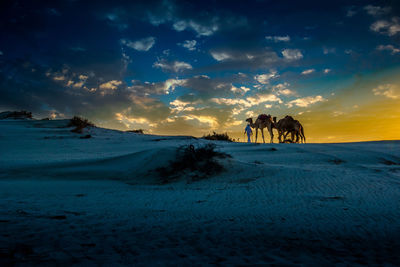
256 135
262 133
271 134
285 136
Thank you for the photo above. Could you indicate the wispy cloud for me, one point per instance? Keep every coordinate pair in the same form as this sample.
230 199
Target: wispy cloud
220 56
200 29
292 54
306 101
393 50
276 39
144 44
189 44
386 27
389 90
175 66
377 10
307 72
265 78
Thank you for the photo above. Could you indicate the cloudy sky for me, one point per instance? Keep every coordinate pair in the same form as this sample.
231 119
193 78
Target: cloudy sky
175 67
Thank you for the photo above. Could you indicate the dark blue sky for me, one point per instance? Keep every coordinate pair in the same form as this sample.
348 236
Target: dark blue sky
191 67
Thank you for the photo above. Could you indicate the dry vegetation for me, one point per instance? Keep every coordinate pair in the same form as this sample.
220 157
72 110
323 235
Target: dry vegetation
138 131
79 124
197 163
218 137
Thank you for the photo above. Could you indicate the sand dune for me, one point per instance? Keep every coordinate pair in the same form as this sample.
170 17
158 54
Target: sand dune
67 200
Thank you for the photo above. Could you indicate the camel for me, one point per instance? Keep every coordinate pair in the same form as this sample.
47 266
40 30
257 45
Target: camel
289 125
262 121
298 130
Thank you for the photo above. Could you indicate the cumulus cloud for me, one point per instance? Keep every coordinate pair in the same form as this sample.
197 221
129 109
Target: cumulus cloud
220 56
282 89
189 44
387 27
265 78
242 59
174 66
278 38
305 101
242 90
178 105
292 54
200 29
110 85
144 44
249 101
389 90
307 72
377 10
393 50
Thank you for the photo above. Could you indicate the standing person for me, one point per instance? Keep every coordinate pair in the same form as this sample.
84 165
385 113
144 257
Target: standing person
249 132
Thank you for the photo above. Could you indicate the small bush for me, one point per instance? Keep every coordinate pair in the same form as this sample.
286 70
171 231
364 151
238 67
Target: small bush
197 163
79 124
218 137
138 131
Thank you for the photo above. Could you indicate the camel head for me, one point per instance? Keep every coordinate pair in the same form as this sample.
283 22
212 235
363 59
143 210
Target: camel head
249 120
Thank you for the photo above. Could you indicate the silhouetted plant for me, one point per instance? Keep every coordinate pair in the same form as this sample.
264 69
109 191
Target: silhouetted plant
197 163
79 124
138 131
218 137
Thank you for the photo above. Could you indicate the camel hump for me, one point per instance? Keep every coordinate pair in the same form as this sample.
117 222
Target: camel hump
263 117
289 117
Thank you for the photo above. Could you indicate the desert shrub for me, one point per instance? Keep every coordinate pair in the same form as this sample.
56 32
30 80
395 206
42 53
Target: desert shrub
79 124
197 163
138 131
218 137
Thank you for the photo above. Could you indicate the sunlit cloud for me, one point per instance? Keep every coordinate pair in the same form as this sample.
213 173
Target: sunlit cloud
211 121
282 89
307 72
389 90
265 78
242 90
306 101
111 85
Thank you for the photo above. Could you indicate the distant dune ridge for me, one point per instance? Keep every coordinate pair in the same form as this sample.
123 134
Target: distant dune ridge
67 200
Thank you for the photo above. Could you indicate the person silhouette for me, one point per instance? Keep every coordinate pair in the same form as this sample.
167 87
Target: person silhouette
249 132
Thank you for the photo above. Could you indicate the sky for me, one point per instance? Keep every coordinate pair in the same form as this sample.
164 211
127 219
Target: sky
191 68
